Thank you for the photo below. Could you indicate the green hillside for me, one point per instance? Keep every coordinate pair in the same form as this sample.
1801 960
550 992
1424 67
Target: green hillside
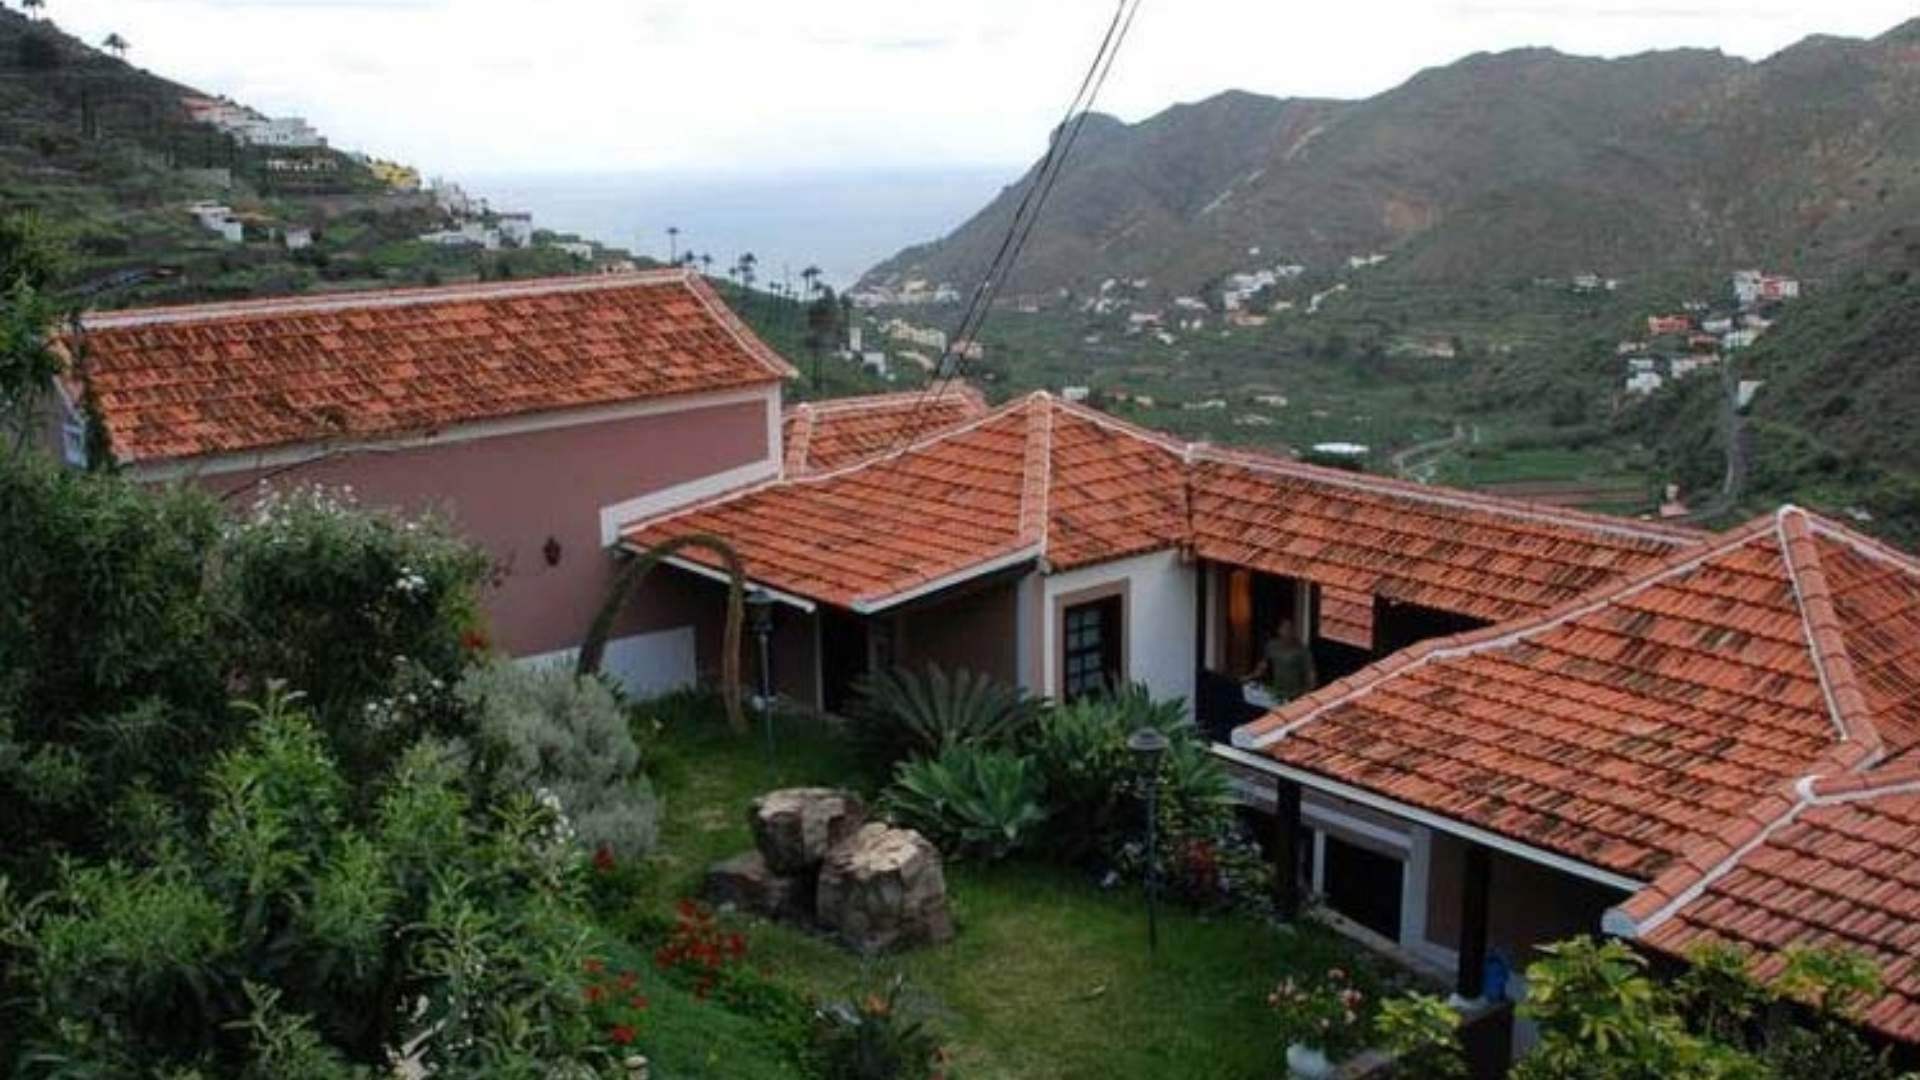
106 158
1832 427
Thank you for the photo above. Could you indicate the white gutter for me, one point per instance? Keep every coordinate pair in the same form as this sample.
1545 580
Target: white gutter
1459 829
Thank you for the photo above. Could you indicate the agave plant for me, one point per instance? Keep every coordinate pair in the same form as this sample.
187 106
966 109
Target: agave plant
983 803
901 714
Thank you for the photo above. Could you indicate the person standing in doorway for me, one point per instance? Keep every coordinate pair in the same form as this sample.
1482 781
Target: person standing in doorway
1286 668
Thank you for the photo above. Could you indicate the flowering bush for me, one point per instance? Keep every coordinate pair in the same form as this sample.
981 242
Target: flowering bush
617 1002
698 950
1329 1014
365 612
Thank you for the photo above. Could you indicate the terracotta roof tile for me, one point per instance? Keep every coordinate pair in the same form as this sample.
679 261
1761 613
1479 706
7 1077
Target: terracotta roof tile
1036 475
1112 490
1837 869
222 378
1631 729
821 436
1490 558
867 533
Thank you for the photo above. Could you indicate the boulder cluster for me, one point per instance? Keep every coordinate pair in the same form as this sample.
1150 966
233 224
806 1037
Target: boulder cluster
818 862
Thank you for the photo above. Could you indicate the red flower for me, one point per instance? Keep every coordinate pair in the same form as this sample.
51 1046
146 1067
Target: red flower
638 1001
628 979
603 859
596 993
594 965
622 1034
474 641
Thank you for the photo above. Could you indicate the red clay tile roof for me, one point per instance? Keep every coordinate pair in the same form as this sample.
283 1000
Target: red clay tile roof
1629 729
1829 859
220 378
1836 868
1035 478
1100 489
865 534
821 436
1495 559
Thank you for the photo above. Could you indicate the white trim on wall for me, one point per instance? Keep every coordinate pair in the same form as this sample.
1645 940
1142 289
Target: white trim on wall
646 665
1161 592
666 500
305 452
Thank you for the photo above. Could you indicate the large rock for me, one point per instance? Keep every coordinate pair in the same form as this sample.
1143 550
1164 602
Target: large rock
883 890
746 883
795 828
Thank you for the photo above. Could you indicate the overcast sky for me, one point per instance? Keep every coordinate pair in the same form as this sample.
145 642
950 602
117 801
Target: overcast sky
466 86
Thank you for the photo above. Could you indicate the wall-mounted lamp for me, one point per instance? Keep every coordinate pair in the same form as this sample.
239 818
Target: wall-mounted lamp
552 551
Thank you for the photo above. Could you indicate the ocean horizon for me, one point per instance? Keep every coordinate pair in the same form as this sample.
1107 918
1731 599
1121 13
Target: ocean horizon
843 221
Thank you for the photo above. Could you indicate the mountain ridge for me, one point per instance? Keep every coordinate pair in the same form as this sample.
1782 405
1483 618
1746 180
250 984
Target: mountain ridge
1808 159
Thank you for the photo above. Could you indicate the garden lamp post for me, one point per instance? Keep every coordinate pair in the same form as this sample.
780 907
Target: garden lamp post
1148 747
760 621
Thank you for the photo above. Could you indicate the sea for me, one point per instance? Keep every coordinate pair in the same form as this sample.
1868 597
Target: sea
843 221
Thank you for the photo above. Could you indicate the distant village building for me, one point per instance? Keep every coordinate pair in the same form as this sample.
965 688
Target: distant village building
925 337
1075 394
251 127
296 237
396 176
219 219
516 228
1643 383
1669 325
1753 287
470 234
1682 366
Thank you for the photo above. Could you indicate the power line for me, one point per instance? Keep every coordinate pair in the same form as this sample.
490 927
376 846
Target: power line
1026 214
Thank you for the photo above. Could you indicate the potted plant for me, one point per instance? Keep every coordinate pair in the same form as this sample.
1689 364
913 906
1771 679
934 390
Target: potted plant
1322 1021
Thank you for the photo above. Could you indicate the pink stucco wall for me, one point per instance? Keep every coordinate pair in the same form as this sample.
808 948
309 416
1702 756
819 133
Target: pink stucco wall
511 492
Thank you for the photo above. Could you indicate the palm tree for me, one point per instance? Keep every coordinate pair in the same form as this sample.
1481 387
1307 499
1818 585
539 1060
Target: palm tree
811 275
114 44
673 245
747 263
34 8
706 263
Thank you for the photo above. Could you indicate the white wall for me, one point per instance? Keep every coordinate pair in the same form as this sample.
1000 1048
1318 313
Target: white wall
645 665
1159 612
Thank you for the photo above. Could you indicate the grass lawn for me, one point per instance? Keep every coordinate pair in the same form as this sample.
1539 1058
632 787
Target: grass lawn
1050 977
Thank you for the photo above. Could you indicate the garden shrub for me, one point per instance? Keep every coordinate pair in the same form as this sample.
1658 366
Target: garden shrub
968 801
1095 797
1421 1033
875 1039
901 714
545 730
1602 1017
109 675
372 615
288 934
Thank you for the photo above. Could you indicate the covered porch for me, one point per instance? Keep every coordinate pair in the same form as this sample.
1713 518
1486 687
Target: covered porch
1345 630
